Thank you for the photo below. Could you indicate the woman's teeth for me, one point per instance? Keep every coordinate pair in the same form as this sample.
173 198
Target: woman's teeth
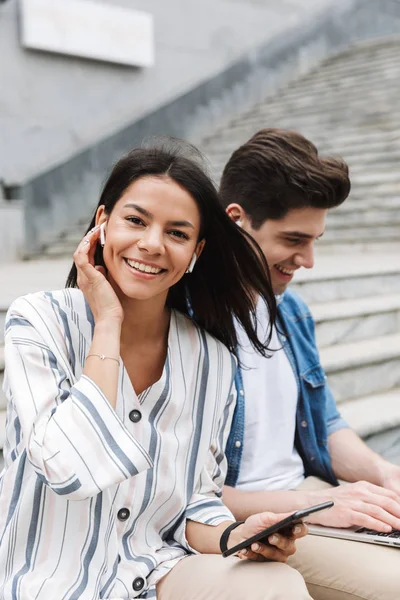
284 271
143 268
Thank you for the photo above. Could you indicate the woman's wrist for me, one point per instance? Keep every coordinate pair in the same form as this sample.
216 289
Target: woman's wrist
108 326
231 536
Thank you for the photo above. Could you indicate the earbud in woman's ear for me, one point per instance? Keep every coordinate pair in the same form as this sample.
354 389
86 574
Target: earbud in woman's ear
239 223
192 263
102 234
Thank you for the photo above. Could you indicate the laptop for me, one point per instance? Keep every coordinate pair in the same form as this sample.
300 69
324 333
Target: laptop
358 534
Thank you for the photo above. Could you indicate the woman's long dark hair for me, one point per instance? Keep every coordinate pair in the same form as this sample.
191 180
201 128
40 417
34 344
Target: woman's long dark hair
231 268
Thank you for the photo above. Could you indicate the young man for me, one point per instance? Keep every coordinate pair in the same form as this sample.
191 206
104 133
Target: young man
289 445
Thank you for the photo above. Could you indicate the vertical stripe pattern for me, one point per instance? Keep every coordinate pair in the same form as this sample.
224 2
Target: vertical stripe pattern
72 461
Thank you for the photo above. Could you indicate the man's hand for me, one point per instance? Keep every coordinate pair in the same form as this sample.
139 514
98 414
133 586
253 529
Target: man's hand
363 504
278 549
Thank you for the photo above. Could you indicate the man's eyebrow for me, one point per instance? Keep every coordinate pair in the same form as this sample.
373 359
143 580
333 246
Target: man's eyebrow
300 234
149 215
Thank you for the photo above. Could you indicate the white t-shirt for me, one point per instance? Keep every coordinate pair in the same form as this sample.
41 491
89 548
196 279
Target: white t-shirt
270 460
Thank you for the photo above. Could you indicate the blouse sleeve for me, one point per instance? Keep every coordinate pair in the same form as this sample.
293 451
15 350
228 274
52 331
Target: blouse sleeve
74 439
205 505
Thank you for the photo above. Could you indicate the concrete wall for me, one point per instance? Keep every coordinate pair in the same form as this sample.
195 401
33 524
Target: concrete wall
53 106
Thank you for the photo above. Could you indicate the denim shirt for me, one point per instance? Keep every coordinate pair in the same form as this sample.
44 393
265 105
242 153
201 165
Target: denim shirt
317 416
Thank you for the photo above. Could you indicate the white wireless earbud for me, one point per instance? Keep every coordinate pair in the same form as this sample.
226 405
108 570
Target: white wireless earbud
192 263
239 223
102 234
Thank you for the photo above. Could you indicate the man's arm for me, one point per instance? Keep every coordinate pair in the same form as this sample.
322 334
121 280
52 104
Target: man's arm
362 503
244 504
352 460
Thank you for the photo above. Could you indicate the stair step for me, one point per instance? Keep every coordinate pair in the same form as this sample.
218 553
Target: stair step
356 147
362 368
372 414
354 204
355 320
347 356
31 276
329 116
357 234
344 134
368 217
351 247
339 97
358 275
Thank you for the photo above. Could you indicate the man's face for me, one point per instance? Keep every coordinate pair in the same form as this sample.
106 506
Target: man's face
288 243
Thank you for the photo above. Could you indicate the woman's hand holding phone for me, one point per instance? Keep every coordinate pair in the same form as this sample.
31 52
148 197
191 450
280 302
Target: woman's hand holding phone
279 546
92 280
270 536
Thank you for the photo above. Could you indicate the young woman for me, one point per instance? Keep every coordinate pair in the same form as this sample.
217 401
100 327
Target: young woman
120 404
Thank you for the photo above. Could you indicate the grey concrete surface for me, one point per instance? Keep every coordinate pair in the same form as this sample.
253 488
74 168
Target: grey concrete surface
53 106
63 195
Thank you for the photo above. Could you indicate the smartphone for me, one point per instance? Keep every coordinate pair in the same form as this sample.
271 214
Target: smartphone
283 527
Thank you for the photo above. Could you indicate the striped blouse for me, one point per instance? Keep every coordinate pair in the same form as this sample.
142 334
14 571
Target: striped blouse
94 501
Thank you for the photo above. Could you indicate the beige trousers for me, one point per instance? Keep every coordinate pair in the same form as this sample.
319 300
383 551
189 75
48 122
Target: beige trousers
337 569
211 577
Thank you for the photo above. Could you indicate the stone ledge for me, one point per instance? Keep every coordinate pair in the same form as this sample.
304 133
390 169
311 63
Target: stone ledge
332 311
373 414
328 267
344 357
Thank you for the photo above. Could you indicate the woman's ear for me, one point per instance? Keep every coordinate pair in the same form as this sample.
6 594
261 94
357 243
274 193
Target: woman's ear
101 216
196 254
200 248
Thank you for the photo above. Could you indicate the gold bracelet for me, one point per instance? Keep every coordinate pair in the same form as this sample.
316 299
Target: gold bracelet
103 357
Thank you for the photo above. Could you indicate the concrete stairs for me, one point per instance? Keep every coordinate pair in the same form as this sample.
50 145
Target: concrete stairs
347 106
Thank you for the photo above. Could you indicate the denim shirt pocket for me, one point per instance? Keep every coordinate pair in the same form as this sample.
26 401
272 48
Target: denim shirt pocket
315 377
315 381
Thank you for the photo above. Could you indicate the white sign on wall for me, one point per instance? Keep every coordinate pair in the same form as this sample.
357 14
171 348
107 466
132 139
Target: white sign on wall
88 29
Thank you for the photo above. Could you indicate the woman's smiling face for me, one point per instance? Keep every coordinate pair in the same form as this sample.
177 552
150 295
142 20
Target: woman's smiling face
150 235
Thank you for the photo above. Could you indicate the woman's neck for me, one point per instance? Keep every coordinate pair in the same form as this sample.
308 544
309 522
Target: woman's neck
148 319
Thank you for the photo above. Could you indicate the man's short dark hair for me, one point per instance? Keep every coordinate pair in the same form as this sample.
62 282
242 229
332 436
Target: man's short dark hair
279 170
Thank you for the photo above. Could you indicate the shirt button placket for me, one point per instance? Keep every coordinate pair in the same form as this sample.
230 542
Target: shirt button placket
123 514
138 584
135 416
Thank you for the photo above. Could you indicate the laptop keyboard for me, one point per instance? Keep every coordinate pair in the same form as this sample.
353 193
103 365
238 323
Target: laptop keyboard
395 533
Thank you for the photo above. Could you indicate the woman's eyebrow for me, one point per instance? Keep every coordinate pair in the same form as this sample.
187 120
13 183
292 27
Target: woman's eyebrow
141 210
181 224
149 215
